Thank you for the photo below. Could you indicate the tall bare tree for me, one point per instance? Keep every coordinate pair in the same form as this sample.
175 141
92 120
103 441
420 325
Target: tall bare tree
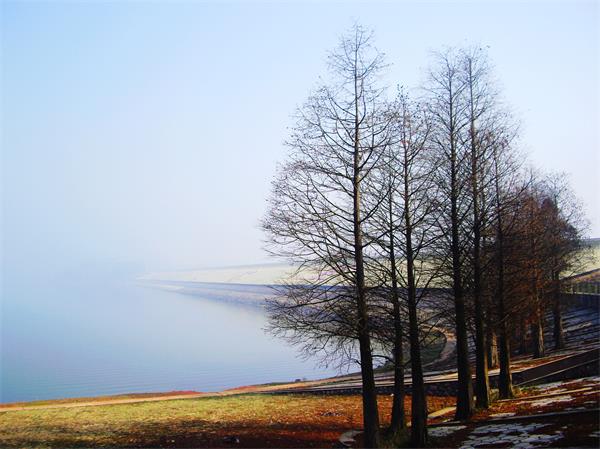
317 213
416 196
385 229
446 90
405 227
504 194
488 124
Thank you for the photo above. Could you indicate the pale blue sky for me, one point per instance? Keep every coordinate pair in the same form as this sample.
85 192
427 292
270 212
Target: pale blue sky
147 133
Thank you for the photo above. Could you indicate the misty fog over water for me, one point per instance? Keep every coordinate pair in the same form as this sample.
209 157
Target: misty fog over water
111 337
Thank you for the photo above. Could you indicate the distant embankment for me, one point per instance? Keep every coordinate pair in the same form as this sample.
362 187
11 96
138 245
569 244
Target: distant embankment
245 285
249 284
265 274
241 294
280 273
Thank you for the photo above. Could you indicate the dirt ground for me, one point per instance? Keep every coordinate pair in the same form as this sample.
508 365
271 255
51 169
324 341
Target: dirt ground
559 414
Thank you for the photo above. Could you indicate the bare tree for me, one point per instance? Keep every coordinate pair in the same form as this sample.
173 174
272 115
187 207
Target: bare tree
384 230
418 213
405 228
530 253
490 128
505 171
446 90
565 228
317 213
538 238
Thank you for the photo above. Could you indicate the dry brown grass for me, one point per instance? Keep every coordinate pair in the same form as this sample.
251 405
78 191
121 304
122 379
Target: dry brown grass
257 420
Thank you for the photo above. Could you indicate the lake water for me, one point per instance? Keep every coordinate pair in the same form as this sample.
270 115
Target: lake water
111 338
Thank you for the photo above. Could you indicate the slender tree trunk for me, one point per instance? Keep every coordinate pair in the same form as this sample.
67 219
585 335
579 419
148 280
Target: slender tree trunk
491 341
418 429
398 420
481 369
482 387
558 333
491 332
369 392
536 325
464 399
523 347
505 387
537 331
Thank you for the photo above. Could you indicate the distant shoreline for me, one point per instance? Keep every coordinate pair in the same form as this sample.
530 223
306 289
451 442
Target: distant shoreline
254 295
263 274
130 398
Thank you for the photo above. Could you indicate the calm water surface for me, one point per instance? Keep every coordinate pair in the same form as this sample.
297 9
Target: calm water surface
110 338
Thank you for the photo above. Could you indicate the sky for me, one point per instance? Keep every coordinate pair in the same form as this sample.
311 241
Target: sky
143 136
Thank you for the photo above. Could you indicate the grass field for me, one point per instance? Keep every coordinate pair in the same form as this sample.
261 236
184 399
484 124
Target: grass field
256 420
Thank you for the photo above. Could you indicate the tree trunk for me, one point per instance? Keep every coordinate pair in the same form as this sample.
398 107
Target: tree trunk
418 429
491 337
558 332
505 387
369 392
492 348
464 399
398 420
482 385
522 334
537 333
